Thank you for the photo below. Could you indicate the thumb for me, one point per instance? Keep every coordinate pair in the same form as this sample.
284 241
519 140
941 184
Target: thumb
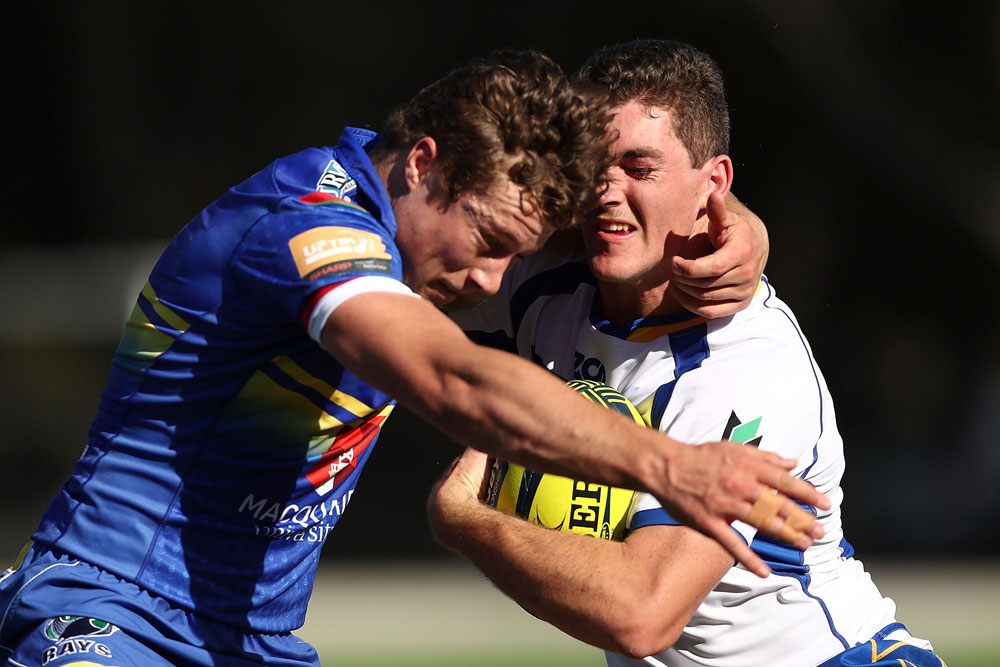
720 221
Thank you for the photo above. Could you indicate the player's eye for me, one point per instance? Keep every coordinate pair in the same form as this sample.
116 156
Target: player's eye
638 172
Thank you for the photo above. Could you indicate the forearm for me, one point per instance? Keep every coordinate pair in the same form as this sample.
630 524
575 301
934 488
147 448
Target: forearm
492 400
554 575
504 405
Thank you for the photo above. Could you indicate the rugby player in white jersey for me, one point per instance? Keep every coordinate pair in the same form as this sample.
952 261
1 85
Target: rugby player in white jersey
667 595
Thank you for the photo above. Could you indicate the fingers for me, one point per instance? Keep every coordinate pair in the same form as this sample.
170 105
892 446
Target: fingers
798 527
467 474
796 489
711 307
471 468
723 290
719 217
724 280
715 269
723 533
765 508
776 515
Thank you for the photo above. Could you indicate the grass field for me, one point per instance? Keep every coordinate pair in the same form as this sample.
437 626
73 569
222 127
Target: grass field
447 615
515 659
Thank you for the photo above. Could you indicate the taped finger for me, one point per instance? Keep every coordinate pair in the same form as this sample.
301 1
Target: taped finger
764 509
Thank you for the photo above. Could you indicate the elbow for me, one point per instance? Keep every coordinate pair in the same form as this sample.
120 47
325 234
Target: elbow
643 642
645 633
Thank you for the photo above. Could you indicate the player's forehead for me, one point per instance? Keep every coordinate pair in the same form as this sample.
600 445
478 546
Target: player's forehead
640 130
508 212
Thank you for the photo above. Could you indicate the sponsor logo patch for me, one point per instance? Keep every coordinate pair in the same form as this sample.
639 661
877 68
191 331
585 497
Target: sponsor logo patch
326 251
75 635
588 368
336 181
737 431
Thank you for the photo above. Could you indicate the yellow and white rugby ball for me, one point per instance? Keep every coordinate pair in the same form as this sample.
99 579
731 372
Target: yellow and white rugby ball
561 503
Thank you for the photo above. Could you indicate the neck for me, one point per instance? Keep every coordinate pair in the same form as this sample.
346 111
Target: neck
389 167
624 303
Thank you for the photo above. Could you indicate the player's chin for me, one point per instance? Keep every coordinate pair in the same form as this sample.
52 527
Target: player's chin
438 300
438 295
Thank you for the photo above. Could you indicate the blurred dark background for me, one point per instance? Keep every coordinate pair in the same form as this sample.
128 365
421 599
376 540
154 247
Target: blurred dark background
864 134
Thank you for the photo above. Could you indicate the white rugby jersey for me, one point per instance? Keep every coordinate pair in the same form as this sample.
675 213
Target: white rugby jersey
749 378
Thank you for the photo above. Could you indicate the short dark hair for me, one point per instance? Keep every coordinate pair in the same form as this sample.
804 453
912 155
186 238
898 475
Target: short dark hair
672 75
512 112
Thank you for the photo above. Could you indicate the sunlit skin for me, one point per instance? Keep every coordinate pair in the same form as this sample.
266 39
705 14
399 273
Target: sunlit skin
654 200
459 249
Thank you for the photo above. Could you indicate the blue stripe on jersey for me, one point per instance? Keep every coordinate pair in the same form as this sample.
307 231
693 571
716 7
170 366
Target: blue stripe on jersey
653 517
625 332
847 548
689 348
563 279
804 580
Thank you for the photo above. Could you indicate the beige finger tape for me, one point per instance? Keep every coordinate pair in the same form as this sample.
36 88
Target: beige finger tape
796 523
767 506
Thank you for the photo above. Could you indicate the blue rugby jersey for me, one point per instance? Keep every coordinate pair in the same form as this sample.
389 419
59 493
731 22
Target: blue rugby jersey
227 442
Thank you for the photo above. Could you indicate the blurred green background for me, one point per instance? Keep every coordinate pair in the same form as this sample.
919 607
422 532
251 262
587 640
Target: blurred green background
864 133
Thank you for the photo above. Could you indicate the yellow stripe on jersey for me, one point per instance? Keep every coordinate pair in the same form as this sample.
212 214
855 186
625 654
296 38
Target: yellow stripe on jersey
298 415
19 561
645 409
647 334
142 339
876 656
169 316
334 395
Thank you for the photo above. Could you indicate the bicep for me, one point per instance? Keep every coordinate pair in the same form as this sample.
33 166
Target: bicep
395 342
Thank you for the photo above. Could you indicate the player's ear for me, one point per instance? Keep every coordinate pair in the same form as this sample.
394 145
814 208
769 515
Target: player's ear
718 176
419 162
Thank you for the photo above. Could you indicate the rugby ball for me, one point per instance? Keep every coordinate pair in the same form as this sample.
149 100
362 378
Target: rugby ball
561 503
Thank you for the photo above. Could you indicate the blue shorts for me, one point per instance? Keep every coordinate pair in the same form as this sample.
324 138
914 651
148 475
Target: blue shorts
884 652
56 611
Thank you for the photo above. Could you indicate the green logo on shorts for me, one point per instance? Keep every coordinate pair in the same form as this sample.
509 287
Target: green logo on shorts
62 627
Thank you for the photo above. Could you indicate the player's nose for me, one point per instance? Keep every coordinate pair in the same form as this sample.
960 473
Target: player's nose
488 274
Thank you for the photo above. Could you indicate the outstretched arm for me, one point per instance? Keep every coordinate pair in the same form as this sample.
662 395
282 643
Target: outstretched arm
508 407
632 597
728 256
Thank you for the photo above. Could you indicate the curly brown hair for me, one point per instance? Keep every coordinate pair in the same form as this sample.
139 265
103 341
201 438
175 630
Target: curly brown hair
672 75
512 112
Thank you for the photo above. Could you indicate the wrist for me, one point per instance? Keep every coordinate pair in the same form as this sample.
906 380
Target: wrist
453 514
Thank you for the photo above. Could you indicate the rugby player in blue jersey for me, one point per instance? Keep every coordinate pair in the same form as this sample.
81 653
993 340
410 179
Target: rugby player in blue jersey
667 595
270 343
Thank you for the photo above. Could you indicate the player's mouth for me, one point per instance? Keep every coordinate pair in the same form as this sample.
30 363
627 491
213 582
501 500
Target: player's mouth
441 293
610 229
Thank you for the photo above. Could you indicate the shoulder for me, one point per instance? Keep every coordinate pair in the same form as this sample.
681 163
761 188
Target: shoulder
759 378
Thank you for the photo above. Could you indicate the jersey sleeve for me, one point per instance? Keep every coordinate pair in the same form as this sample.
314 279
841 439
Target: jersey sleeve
287 258
757 394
